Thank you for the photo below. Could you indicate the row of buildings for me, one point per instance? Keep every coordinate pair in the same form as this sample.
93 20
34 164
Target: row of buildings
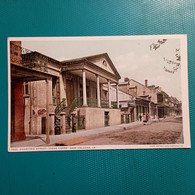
56 97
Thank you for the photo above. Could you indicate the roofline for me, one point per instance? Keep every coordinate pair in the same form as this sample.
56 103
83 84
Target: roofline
51 59
123 91
82 58
138 82
87 58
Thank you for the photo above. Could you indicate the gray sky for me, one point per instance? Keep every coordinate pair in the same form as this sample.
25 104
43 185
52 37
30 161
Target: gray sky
131 57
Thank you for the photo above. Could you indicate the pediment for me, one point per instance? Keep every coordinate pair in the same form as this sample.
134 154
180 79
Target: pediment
104 62
101 61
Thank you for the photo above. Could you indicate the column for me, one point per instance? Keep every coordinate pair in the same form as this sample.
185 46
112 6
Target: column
117 96
109 99
17 111
84 89
78 87
98 91
135 115
150 110
47 116
63 122
157 111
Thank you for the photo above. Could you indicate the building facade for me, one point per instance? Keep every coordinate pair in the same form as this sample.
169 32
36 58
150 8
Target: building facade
51 97
88 90
151 101
126 104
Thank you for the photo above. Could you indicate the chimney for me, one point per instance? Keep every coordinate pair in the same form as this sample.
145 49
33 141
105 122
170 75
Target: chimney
18 43
126 79
146 83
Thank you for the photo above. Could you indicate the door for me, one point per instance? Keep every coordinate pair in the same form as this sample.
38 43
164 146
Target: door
106 118
43 124
127 118
132 114
69 92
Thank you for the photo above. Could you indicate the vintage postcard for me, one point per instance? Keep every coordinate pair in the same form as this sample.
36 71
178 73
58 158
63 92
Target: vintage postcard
88 93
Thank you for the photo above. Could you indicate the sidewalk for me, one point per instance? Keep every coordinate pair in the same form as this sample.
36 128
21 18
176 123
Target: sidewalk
39 140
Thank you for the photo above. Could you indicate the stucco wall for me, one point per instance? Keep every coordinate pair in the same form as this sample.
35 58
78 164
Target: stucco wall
115 116
37 106
140 88
124 88
94 117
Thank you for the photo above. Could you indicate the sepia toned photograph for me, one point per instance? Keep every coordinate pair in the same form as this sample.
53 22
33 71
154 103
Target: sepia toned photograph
88 93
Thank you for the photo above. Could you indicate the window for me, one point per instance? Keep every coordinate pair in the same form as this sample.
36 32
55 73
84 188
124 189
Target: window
159 98
26 88
104 63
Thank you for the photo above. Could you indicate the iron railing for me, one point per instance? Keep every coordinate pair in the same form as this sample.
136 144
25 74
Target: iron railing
60 107
114 104
104 103
77 102
91 102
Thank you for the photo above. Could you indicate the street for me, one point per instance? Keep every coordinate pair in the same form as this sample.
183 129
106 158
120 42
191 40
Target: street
166 131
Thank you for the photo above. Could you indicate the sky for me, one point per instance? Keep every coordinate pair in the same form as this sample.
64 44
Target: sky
132 58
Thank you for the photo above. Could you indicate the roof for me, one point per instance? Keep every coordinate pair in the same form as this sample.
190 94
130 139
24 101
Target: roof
137 82
123 83
88 58
163 92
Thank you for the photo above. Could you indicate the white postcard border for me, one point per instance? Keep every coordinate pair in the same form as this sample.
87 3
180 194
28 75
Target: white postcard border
184 85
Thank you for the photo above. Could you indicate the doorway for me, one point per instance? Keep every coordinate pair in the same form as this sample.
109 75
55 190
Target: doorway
106 118
132 114
43 125
69 91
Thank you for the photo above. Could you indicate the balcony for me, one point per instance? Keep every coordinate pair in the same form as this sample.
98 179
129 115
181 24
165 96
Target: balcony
91 102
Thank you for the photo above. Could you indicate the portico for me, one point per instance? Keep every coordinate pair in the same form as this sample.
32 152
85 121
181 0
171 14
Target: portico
88 75
88 82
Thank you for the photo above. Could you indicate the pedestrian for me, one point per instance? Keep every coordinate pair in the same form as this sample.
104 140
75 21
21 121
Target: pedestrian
147 117
140 117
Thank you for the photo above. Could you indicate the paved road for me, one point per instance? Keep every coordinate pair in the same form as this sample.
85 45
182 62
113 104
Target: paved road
132 133
39 140
167 131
